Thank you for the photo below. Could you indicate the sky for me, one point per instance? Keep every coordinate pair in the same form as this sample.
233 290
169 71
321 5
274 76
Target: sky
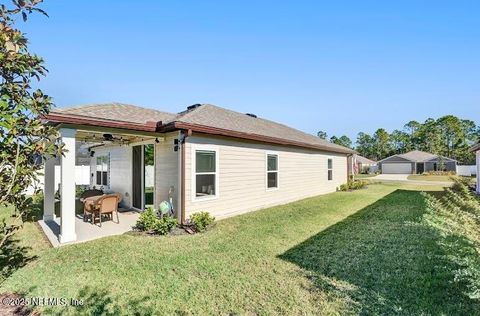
337 66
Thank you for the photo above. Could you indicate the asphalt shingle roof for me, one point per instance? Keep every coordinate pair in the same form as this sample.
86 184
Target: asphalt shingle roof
214 116
206 115
119 112
364 160
418 156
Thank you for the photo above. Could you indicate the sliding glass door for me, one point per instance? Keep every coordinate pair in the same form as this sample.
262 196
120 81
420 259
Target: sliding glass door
143 176
148 175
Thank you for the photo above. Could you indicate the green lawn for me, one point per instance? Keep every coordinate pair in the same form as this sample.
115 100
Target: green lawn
428 177
362 252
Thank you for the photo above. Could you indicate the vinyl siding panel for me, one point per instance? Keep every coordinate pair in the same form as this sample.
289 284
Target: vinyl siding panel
242 175
167 170
120 175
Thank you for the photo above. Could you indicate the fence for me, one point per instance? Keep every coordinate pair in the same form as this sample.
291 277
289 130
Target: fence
467 171
82 177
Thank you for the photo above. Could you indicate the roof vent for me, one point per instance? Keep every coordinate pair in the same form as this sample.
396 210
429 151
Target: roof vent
251 115
193 107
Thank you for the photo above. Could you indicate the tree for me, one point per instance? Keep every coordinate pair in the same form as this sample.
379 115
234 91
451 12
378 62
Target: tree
401 142
429 137
322 134
24 139
365 145
342 141
382 144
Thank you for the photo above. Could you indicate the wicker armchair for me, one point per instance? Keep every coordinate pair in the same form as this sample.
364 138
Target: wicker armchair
105 205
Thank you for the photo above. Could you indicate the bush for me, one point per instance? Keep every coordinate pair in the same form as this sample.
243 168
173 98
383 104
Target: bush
455 215
147 220
353 185
439 173
201 220
165 225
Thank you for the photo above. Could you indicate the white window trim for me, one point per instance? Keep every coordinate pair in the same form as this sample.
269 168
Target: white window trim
105 186
267 189
195 148
333 173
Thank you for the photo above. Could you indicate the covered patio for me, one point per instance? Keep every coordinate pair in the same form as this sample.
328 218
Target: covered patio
63 221
86 231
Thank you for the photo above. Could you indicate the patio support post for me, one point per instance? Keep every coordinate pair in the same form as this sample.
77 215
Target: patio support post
49 190
67 191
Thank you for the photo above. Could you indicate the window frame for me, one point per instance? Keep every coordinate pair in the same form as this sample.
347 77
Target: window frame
107 156
194 149
330 169
272 153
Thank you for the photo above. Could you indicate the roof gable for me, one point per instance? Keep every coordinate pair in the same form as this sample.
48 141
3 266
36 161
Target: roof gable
395 158
417 156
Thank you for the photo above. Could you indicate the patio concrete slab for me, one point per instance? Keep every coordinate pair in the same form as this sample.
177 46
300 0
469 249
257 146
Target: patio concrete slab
87 231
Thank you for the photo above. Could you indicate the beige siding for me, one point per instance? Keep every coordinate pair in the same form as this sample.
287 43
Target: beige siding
120 176
242 176
166 170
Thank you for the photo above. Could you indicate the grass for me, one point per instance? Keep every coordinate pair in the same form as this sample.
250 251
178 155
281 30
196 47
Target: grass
428 177
361 252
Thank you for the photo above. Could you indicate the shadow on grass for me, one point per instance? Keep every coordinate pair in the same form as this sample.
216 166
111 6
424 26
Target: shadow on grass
13 257
385 260
94 301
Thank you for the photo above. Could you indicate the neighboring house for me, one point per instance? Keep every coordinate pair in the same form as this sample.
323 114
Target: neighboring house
364 165
476 149
416 162
211 158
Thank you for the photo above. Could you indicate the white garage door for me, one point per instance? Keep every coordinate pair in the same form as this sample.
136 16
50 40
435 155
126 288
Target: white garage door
397 168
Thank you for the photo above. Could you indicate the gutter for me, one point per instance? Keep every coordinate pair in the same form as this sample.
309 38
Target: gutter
55 117
159 127
242 135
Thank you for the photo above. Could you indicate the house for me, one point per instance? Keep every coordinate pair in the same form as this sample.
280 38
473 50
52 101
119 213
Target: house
476 149
416 162
206 158
363 164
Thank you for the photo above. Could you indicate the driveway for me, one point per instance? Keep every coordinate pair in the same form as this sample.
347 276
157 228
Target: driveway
392 177
404 178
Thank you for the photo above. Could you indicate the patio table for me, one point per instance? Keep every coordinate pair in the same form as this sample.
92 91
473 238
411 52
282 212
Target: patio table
88 203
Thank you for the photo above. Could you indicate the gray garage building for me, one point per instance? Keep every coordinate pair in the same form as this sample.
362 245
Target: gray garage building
416 161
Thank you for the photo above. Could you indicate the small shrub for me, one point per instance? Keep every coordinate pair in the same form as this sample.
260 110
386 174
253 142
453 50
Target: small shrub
353 185
147 220
201 220
439 173
165 225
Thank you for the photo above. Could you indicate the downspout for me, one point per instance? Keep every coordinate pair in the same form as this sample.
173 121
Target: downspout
182 182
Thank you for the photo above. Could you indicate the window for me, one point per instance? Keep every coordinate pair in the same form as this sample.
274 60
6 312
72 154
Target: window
205 173
330 169
102 170
272 171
